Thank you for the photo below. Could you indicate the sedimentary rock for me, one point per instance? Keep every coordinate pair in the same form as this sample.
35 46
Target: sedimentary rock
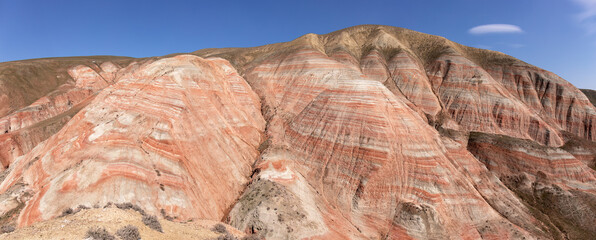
557 100
178 134
371 132
71 88
409 76
478 103
507 156
372 161
549 179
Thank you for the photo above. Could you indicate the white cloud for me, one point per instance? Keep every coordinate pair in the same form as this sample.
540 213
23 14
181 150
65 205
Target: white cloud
589 9
495 28
588 15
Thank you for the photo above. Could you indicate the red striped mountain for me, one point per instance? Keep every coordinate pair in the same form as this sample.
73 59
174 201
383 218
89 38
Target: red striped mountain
371 132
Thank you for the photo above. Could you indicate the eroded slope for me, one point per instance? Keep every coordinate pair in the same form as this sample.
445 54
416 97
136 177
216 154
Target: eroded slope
177 135
362 133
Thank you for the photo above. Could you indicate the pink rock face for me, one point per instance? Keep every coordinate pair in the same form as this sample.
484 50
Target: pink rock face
373 167
550 180
386 180
163 137
556 99
371 132
346 58
27 127
410 78
374 66
502 155
479 103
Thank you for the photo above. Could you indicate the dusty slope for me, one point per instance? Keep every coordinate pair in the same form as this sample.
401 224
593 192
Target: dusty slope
591 94
362 133
24 82
75 226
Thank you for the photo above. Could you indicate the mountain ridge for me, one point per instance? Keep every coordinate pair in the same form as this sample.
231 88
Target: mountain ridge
367 132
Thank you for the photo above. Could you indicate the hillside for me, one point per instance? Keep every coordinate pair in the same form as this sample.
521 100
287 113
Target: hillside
370 132
591 94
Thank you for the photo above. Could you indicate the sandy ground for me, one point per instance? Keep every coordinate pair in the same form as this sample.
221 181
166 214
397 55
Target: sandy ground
75 226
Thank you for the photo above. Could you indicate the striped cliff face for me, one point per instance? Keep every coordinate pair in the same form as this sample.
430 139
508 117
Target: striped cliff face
372 132
506 156
25 128
161 137
547 179
374 66
379 178
370 162
409 76
479 103
556 99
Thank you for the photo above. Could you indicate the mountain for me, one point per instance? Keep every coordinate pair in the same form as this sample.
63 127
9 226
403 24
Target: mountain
370 132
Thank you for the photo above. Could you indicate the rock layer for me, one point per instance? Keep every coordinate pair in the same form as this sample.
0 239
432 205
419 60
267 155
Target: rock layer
557 100
507 156
70 84
164 136
478 103
408 75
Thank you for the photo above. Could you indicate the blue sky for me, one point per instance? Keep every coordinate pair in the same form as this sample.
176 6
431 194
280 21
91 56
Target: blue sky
558 35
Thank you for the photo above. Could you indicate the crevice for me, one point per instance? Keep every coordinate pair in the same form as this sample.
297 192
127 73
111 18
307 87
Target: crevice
98 73
263 146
